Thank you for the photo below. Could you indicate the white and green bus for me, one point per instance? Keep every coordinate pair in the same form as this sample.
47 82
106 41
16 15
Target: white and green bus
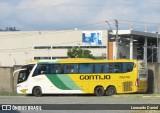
82 76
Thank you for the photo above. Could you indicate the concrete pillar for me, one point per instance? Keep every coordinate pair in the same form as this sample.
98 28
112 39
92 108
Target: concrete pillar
145 49
131 48
115 50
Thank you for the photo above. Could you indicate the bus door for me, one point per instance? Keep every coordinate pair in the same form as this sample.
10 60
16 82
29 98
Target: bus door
39 77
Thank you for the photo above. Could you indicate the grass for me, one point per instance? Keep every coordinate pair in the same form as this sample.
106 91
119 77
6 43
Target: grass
9 94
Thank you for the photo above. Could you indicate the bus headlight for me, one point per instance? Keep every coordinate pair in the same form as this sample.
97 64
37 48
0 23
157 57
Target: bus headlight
24 90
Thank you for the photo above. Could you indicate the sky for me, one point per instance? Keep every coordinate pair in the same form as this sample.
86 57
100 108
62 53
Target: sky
33 15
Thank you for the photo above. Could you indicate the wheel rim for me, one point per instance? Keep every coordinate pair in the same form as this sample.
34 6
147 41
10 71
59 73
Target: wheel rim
111 92
37 92
99 91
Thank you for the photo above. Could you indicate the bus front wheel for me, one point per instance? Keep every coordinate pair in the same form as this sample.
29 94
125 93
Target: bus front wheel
110 91
99 91
37 91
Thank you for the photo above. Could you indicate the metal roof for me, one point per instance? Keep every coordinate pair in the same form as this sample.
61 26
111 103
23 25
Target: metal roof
137 34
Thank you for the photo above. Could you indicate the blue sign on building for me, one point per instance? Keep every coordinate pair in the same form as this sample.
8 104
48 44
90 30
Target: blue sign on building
92 38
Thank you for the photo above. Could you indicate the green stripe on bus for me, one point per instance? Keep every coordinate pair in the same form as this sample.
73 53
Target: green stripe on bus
69 82
57 82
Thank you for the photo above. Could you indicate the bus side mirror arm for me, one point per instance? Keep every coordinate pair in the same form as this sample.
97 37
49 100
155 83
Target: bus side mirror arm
18 71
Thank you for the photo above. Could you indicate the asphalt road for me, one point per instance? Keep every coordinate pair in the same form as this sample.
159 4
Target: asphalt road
80 99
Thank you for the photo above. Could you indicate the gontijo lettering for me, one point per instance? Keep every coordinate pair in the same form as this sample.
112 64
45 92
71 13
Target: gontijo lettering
95 77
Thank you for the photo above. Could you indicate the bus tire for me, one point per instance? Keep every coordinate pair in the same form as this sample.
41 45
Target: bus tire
111 90
99 91
37 91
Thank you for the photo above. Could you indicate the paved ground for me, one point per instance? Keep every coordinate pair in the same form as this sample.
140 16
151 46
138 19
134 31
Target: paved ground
82 99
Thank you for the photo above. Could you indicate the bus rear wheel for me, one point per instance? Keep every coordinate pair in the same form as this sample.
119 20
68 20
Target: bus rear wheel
99 91
37 91
110 91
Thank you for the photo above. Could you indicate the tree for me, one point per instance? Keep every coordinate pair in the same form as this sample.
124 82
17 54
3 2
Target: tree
11 29
77 52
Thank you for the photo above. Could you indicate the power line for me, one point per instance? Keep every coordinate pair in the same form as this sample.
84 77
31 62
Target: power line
18 34
75 4
141 22
63 5
91 24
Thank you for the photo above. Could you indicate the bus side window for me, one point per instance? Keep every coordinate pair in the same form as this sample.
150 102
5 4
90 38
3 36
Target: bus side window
127 67
130 67
44 69
70 68
98 68
111 68
41 69
51 69
58 69
106 68
118 67
86 68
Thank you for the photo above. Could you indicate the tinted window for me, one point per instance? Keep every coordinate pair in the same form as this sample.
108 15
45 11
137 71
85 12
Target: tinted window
112 68
117 68
128 67
98 68
71 68
107 68
41 69
58 69
24 74
86 68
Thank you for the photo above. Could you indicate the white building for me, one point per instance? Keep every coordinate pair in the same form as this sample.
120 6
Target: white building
19 47
16 48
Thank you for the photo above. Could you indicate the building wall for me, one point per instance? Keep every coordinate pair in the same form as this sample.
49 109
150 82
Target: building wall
17 48
6 81
154 77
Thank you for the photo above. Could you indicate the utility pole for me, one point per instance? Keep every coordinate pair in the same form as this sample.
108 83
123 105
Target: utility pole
116 38
116 24
131 26
107 55
157 47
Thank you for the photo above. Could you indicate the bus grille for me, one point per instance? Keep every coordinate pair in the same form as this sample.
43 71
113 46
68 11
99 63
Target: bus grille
127 86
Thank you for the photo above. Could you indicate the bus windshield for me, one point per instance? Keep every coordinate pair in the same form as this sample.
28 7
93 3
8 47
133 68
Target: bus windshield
23 74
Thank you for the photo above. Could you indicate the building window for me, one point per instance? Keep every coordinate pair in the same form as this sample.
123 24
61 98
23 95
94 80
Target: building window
40 58
42 47
69 47
59 57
